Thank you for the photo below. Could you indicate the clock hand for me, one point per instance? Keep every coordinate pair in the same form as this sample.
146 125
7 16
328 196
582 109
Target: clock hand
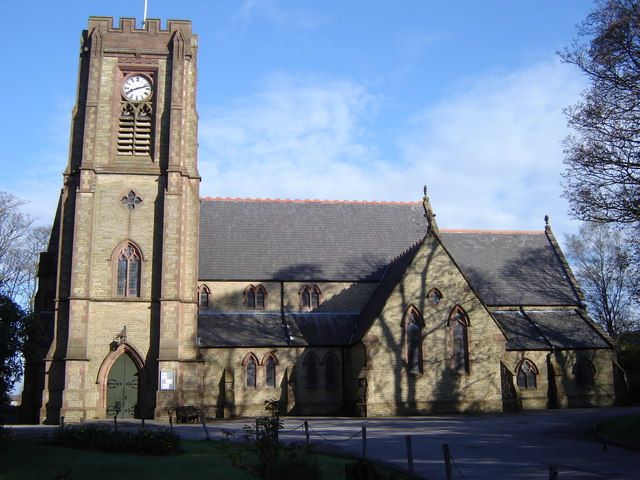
136 88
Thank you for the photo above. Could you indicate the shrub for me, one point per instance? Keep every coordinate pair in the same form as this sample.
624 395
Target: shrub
295 461
264 455
103 438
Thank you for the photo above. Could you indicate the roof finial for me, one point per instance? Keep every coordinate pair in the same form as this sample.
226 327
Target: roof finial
428 211
547 227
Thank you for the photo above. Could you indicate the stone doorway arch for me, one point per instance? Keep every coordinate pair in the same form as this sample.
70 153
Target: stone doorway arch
121 379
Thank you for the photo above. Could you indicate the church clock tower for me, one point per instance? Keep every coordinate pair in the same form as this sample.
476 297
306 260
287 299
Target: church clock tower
123 256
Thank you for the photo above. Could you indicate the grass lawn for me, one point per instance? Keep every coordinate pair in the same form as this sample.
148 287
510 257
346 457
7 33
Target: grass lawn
626 429
26 459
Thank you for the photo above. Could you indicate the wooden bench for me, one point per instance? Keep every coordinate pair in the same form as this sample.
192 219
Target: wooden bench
188 413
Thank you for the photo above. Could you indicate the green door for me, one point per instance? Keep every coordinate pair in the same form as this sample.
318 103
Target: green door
122 388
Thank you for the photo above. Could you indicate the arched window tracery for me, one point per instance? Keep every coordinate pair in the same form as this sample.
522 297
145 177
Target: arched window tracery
413 340
255 297
309 297
128 271
250 364
458 323
270 371
526 375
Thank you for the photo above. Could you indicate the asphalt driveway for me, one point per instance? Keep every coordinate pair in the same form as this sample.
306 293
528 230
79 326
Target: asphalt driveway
490 446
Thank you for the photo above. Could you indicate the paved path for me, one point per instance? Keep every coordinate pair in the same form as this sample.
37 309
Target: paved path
492 446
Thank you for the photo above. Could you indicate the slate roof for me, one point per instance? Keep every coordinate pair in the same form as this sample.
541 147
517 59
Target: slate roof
567 329
304 240
511 268
544 329
266 329
521 334
262 240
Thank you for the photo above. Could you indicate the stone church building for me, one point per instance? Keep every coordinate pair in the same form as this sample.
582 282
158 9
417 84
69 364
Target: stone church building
152 297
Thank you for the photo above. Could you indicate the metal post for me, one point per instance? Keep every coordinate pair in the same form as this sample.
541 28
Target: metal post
257 431
553 472
409 454
447 460
62 421
364 442
203 420
143 423
306 431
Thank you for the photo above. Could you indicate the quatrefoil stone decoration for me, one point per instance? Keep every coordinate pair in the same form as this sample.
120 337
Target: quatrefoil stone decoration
131 200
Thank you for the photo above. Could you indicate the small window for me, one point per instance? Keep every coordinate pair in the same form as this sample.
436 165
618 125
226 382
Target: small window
434 297
309 297
584 373
128 273
330 370
254 297
270 372
203 296
526 376
251 369
311 369
458 322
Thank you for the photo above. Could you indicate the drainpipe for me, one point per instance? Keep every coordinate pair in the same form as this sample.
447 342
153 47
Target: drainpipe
344 381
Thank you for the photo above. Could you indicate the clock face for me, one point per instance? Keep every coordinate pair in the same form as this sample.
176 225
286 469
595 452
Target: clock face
136 88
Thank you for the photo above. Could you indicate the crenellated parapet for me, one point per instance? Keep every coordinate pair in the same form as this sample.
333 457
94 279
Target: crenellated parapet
126 38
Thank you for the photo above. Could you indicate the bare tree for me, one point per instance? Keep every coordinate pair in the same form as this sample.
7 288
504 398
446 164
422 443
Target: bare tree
13 225
20 247
602 157
601 261
20 266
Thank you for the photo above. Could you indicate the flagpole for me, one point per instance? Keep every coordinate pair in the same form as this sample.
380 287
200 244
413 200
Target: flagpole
144 17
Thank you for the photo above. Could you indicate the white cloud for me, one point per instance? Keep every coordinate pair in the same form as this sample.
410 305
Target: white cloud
281 15
298 138
490 153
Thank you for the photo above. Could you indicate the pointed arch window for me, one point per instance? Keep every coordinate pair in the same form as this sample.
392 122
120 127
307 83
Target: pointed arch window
309 297
204 296
413 340
311 370
527 374
255 297
128 271
458 322
331 370
251 371
584 373
270 372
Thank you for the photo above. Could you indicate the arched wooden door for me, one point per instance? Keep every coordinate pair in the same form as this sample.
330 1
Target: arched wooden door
122 388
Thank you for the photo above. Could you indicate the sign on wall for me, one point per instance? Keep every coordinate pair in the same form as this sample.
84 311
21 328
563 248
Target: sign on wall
167 380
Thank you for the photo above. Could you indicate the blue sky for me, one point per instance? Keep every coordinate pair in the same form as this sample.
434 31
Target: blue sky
334 99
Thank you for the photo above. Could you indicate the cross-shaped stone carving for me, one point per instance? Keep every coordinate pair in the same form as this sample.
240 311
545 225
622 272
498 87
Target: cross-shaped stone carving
131 200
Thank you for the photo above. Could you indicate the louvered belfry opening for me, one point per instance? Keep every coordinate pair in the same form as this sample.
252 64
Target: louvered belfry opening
134 129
